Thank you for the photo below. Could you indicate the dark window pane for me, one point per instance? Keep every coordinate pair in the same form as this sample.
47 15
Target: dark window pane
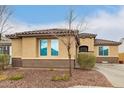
83 49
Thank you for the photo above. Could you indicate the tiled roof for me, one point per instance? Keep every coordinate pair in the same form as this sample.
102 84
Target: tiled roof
41 32
61 32
106 42
48 32
84 35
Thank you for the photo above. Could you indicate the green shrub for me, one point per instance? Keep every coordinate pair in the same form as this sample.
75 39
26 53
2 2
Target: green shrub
16 77
56 78
86 60
65 77
4 60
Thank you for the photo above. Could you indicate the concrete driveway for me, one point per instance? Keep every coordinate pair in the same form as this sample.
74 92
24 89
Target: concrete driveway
113 72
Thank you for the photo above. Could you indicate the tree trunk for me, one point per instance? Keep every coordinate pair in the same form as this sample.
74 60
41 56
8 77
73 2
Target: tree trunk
2 66
70 68
76 56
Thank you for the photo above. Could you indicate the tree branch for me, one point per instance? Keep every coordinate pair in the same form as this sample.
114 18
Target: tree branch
5 13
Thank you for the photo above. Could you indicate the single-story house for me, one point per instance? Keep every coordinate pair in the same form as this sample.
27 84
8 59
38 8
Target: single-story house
41 48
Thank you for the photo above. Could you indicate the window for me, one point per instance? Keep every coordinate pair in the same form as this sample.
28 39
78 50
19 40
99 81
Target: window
1 50
83 49
4 50
54 47
103 51
43 47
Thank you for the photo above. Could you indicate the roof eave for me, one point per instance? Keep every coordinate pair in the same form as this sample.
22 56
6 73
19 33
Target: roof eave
117 44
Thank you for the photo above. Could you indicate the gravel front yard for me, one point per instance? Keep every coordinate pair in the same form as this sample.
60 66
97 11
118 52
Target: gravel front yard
41 78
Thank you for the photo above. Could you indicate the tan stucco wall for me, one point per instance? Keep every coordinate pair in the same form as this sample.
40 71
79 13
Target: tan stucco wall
88 42
16 48
113 51
121 56
28 48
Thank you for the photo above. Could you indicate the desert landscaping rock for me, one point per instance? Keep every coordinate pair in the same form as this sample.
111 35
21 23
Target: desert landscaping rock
41 78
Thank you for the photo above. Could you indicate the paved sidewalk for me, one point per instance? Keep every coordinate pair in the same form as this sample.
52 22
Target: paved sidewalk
113 72
80 86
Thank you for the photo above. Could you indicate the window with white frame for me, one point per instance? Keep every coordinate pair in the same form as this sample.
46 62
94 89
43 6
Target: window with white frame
103 50
43 47
54 47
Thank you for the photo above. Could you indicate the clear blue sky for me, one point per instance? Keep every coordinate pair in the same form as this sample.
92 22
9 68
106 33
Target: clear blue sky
50 14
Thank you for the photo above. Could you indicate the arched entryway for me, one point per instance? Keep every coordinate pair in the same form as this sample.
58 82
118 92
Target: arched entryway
83 49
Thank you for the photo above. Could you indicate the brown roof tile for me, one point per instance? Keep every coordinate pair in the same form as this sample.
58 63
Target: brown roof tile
85 35
106 42
48 32
41 32
61 32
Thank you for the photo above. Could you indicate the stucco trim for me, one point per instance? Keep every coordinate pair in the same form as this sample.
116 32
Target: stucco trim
46 63
42 63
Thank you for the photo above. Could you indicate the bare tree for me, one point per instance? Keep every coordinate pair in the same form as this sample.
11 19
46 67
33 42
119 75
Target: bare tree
70 32
5 14
72 36
69 38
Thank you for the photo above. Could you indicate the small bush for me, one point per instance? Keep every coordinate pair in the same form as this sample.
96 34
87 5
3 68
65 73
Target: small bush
65 77
86 60
56 78
16 77
4 60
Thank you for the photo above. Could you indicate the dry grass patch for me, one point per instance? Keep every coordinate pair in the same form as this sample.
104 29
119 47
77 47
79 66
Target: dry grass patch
64 77
3 77
16 76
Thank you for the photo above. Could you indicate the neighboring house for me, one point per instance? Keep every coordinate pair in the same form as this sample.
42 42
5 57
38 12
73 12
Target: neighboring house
42 49
5 46
121 50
